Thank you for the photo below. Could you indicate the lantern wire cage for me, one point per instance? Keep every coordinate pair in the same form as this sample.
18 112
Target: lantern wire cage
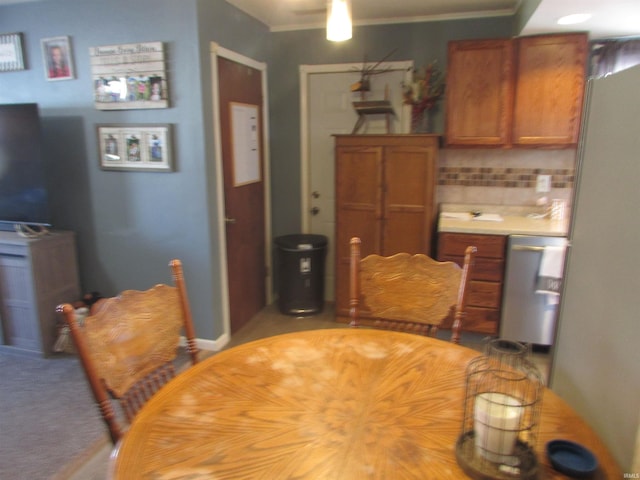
503 398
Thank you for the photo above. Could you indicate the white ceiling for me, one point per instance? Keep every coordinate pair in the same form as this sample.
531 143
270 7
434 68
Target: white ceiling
610 18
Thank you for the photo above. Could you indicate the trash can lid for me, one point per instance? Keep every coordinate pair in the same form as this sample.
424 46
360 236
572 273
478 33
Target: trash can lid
301 241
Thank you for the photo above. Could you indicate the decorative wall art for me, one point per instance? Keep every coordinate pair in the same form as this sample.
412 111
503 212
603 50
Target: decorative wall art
57 58
130 76
135 147
11 54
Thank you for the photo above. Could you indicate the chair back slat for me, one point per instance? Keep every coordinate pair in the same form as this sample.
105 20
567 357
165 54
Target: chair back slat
133 334
127 346
412 293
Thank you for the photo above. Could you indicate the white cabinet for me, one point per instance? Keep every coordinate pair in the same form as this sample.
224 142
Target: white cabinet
36 274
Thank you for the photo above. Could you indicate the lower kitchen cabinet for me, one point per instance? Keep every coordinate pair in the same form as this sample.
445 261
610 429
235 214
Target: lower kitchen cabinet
485 293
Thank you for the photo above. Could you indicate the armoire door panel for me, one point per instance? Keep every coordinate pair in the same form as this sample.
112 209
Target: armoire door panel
358 194
408 200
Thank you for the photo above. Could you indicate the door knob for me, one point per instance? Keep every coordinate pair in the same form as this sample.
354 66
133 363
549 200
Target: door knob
315 211
229 220
315 194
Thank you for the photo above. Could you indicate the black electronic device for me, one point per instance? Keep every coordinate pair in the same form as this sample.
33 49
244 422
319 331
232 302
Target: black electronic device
23 191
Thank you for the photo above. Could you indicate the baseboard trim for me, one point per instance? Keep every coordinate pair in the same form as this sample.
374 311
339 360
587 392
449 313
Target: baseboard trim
210 345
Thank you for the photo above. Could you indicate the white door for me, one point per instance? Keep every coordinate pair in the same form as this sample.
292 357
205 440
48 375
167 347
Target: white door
329 111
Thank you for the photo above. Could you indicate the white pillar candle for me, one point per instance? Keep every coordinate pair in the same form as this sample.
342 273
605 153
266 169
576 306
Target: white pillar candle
496 424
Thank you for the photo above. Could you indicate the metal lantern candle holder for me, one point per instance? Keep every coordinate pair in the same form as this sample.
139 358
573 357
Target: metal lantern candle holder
502 404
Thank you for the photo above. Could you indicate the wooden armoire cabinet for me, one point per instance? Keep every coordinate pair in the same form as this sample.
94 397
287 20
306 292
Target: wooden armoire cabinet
385 194
524 92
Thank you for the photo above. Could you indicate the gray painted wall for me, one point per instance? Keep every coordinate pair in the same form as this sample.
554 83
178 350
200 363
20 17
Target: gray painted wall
421 42
527 8
130 224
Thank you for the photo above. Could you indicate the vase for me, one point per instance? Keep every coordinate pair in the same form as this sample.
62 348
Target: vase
420 121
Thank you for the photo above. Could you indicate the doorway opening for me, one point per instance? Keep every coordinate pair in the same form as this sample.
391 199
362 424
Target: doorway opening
326 109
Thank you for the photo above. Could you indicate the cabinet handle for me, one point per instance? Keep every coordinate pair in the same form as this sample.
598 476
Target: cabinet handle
527 248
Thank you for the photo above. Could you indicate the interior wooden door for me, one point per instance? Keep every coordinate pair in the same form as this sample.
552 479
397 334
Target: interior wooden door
240 90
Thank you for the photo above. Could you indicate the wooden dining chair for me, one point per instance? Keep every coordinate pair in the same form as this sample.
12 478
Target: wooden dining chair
412 293
128 345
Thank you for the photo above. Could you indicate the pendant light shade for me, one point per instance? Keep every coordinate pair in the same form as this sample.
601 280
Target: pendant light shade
339 20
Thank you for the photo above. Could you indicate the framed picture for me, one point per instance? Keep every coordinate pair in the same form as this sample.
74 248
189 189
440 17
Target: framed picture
129 76
57 58
135 147
11 54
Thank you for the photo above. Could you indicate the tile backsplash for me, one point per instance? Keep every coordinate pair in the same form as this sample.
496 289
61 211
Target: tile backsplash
503 177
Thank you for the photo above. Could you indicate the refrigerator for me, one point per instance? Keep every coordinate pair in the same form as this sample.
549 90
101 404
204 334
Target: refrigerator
596 356
528 315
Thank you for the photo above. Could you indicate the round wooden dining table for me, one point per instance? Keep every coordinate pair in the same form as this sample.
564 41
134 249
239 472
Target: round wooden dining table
323 404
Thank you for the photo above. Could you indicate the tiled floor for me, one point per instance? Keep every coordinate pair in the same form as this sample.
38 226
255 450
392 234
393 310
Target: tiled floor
271 322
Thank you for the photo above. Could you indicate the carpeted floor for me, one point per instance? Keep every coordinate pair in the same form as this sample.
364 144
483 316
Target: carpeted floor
47 416
55 430
49 424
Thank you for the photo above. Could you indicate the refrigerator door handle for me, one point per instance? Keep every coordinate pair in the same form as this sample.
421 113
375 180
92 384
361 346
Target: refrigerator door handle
526 248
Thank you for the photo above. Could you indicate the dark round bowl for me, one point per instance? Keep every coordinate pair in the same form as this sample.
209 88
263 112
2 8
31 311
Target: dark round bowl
571 458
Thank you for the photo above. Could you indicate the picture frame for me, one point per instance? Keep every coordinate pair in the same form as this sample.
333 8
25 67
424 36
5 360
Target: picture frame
135 147
57 58
129 76
11 52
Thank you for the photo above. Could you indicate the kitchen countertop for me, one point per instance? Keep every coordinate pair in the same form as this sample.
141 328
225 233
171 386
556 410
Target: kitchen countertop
514 221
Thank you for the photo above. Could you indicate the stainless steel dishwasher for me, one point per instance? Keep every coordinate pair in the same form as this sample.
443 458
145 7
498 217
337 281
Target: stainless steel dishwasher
528 316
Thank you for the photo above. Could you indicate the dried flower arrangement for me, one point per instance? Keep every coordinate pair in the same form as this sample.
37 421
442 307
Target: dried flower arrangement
423 92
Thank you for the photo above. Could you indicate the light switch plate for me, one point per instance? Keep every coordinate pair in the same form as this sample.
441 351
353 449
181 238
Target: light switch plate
543 183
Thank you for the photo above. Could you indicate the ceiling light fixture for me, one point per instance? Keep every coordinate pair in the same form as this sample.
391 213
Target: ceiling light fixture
573 19
339 20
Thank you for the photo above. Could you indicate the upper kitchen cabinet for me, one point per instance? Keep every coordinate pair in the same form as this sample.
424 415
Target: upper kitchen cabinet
479 92
550 80
520 92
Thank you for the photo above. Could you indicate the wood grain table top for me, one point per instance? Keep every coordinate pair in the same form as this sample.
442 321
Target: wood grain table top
322 404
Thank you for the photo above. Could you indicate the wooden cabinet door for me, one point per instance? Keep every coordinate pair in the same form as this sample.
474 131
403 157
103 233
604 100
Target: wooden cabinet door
408 199
358 209
385 188
549 89
18 314
479 92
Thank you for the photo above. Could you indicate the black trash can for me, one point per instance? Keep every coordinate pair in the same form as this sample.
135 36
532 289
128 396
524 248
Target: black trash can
300 270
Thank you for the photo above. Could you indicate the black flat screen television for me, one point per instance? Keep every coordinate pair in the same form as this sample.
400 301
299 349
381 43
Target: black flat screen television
23 191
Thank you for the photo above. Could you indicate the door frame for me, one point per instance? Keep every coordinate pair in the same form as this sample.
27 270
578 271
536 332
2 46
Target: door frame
217 51
305 71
